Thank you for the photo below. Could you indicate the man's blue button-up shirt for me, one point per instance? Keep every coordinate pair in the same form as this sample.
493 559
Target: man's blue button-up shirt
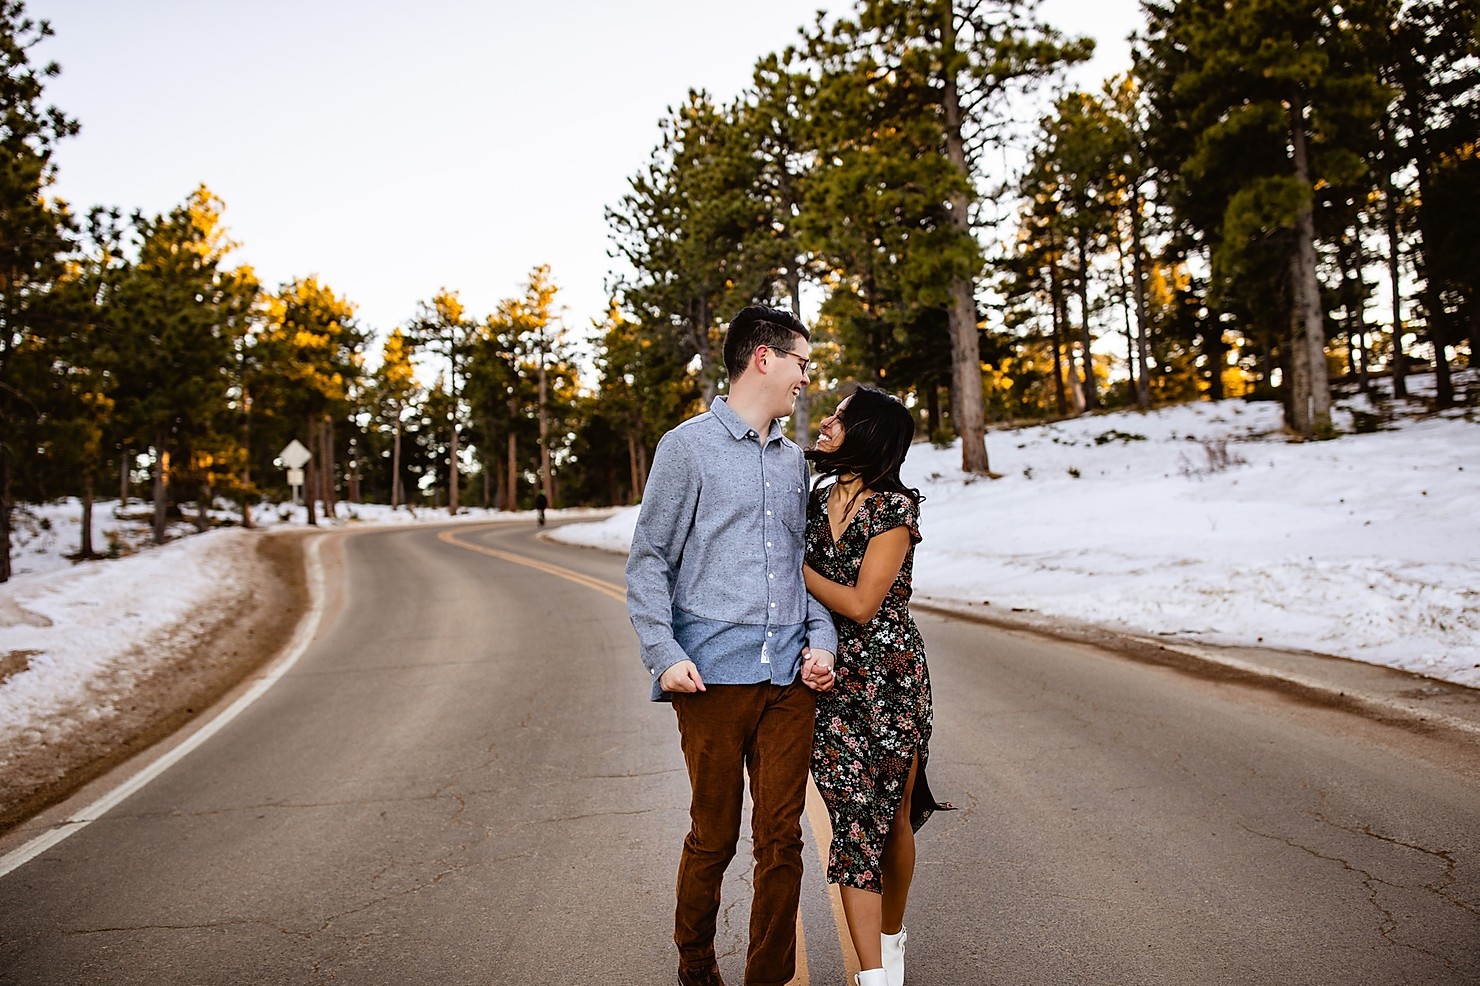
715 571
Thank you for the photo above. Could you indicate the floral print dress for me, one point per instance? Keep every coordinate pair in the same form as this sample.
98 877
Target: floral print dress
877 716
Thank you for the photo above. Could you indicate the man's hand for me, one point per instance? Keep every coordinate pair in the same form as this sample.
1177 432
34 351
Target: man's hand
817 669
681 677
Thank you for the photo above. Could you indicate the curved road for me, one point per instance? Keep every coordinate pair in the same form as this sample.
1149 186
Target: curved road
461 781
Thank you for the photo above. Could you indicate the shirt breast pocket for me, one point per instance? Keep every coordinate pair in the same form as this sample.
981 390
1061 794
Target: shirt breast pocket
794 514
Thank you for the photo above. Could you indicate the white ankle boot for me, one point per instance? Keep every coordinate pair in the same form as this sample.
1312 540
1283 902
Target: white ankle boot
893 948
872 977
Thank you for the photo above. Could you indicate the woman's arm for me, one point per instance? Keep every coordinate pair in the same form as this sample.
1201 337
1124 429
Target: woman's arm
882 561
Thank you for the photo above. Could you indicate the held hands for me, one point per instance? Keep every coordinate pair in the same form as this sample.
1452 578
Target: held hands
817 669
681 677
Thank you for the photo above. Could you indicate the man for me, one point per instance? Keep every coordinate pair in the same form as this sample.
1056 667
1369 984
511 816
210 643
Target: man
715 592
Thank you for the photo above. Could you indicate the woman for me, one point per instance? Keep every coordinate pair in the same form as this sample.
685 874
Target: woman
873 727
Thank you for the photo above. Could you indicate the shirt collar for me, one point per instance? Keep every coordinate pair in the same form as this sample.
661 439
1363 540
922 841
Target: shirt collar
736 425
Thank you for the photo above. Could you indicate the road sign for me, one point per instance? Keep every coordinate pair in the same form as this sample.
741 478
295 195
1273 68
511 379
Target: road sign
294 455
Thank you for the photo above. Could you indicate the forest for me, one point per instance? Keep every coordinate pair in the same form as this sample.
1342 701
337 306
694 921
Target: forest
1276 198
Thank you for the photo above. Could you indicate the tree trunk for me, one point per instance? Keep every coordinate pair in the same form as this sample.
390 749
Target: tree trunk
932 410
1138 270
545 486
1055 293
487 469
1395 280
123 478
1091 397
311 478
1217 354
1433 303
1309 330
801 416
1439 336
511 497
326 442
85 549
636 486
246 478
966 361
453 480
5 507
202 513
702 314
354 470
1356 330
161 485
396 492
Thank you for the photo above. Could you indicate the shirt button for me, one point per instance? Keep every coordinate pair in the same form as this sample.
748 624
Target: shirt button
768 544
768 486
768 633
770 575
773 605
768 513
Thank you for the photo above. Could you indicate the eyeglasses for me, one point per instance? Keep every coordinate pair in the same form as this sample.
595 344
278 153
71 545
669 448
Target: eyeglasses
807 365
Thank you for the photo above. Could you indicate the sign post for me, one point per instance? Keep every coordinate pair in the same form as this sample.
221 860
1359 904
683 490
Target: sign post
294 457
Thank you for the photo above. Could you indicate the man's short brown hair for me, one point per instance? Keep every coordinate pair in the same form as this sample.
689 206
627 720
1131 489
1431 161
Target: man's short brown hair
759 326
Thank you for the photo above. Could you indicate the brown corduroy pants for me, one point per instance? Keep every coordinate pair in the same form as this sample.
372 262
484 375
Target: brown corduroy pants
727 731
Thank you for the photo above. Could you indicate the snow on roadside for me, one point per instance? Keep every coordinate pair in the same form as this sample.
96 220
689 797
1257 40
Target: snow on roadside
74 636
81 627
1203 522
1199 522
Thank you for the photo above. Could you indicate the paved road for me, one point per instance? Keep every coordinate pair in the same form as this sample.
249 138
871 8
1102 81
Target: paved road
461 782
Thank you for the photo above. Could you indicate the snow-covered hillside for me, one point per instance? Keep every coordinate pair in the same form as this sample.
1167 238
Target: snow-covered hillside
1205 522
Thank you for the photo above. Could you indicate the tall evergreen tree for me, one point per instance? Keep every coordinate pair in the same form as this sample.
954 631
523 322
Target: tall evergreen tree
1428 54
310 355
33 237
180 316
442 326
394 390
687 230
930 80
1256 106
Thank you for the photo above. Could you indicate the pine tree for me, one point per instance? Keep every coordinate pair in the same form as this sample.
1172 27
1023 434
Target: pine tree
180 318
34 235
909 95
442 326
1255 107
394 390
687 230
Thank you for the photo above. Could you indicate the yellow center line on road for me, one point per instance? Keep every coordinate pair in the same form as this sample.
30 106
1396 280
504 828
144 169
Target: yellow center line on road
608 589
816 812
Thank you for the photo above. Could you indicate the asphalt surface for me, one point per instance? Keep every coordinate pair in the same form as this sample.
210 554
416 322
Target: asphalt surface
461 781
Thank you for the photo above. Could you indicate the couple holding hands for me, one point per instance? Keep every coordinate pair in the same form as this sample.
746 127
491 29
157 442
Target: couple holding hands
776 621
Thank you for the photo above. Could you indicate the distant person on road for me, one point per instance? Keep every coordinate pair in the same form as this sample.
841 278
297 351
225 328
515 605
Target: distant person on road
540 503
873 727
715 592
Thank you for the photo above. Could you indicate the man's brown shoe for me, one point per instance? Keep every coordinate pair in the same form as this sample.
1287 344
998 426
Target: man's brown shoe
700 977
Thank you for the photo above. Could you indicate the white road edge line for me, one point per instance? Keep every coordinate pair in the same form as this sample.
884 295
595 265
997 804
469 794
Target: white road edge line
297 646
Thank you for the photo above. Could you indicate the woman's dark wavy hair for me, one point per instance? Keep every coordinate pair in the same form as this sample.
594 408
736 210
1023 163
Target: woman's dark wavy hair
877 431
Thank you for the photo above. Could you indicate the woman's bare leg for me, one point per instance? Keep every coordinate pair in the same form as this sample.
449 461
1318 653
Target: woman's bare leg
861 908
898 863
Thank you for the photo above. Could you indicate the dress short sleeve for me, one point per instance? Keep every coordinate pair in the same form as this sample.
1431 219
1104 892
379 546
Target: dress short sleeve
891 510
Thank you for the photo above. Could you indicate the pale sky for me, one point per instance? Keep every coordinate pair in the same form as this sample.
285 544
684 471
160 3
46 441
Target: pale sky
394 149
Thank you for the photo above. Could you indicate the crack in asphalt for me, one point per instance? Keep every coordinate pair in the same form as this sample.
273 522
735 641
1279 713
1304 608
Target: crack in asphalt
201 926
279 805
633 775
1449 875
1388 925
